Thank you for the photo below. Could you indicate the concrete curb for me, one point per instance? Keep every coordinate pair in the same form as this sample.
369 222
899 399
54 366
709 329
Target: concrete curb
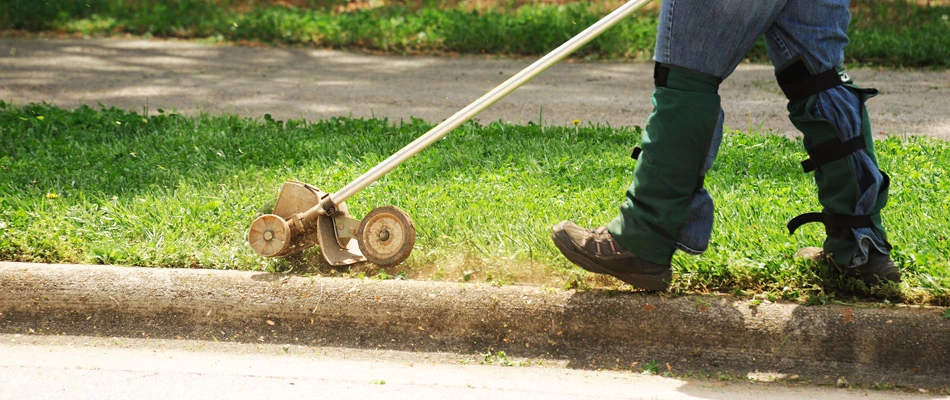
591 329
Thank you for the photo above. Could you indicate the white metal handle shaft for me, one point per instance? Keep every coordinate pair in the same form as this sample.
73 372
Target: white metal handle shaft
499 92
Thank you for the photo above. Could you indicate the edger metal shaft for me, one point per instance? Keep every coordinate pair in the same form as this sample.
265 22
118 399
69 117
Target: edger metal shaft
486 101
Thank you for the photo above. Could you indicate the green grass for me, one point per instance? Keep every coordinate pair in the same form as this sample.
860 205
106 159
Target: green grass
883 32
162 190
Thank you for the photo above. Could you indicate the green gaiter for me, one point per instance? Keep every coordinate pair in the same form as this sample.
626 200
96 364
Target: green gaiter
675 143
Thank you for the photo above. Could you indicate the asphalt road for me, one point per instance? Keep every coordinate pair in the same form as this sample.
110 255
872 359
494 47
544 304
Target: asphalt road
316 84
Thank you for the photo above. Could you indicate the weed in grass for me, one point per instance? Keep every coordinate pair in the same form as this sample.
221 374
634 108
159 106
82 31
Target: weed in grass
946 314
499 358
652 367
819 299
699 374
882 386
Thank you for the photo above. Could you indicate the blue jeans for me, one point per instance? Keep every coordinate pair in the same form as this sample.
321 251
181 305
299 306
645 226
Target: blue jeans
714 37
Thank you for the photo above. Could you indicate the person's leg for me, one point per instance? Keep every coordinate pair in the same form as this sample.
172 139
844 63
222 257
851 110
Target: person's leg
693 238
666 207
806 45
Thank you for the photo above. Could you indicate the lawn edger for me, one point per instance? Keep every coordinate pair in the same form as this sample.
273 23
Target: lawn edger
305 216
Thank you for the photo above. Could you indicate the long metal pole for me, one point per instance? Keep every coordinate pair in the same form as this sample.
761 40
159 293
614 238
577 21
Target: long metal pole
499 92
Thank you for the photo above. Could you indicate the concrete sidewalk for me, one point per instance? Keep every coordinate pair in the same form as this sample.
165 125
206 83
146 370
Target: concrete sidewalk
864 344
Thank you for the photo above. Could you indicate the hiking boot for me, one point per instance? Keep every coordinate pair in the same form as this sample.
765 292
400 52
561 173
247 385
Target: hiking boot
878 269
595 250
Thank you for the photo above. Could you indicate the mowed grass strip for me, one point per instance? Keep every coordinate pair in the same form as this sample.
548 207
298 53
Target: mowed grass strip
111 186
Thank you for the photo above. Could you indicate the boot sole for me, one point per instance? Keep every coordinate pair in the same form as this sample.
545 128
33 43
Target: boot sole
658 282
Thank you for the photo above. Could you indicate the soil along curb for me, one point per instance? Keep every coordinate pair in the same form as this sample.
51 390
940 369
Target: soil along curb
595 329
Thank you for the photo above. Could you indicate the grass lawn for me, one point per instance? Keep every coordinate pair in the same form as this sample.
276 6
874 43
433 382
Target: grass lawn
118 187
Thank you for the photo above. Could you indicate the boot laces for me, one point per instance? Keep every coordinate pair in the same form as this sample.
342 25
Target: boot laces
602 238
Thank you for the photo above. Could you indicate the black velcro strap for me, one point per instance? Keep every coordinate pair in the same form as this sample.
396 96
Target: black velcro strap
798 83
835 225
830 151
636 153
803 219
660 75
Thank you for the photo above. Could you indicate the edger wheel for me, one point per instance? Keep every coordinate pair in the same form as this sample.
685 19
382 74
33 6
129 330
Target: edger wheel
269 235
386 236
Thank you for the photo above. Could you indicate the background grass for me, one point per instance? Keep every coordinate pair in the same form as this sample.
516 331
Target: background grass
894 33
113 186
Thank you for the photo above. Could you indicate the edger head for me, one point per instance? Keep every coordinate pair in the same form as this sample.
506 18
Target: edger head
300 220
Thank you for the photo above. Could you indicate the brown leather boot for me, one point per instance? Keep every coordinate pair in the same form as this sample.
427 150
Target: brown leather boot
595 250
878 269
